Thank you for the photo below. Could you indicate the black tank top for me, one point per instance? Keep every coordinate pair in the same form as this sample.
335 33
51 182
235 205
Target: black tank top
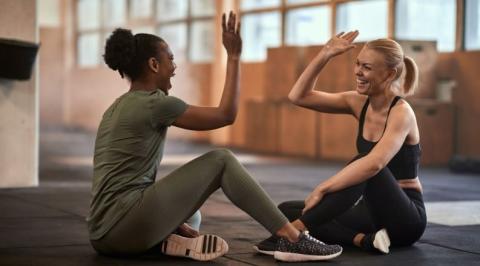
404 165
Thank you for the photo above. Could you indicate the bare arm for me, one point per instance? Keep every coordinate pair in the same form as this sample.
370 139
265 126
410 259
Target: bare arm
206 118
400 122
303 93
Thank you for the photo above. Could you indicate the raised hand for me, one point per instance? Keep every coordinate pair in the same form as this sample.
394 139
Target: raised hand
231 35
341 43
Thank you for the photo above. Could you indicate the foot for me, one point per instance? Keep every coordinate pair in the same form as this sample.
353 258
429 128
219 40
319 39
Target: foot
202 248
307 248
379 242
267 246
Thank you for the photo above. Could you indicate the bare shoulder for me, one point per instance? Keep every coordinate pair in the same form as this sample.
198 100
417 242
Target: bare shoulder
355 101
402 111
403 118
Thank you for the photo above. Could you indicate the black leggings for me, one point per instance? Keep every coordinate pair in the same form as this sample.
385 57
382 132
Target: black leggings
377 203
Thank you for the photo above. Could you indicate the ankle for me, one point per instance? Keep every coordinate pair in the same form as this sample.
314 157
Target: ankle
357 240
289 232
299 225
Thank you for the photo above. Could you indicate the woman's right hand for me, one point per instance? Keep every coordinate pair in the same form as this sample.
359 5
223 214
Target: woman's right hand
231 35
340 43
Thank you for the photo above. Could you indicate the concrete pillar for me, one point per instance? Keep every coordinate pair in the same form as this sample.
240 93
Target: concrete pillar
19 102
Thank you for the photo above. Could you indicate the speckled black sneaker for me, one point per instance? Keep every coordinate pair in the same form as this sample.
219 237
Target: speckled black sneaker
202 248
307 248
267 246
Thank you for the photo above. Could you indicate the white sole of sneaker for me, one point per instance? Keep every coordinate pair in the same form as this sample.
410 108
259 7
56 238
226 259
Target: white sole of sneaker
263 251
295 257
202 248
382 241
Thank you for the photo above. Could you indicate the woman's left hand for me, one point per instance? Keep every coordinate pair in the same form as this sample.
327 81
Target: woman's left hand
187 231
313 199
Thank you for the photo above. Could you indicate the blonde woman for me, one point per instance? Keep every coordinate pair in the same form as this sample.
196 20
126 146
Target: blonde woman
376 200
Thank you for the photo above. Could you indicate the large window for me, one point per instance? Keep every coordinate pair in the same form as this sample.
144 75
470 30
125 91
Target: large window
186 25
168 10
259 4
472 25
202 37
273 23
368 17
140 9
189 25
260 31
88 39
306 26
427 20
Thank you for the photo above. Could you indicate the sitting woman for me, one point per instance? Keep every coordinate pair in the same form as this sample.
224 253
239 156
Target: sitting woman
130 213
376 200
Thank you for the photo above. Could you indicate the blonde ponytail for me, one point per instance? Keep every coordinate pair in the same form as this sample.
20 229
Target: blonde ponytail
411 76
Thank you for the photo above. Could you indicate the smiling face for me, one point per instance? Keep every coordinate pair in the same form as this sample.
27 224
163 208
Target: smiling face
165 67
372 74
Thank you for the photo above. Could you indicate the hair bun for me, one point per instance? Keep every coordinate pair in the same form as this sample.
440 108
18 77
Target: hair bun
120 49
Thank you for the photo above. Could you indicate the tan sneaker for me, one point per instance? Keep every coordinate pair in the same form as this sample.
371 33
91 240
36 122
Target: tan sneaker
202 248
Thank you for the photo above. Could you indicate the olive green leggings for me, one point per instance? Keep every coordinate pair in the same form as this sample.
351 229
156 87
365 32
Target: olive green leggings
173 199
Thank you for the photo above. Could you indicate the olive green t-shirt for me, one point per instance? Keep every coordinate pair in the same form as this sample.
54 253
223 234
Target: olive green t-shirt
128 148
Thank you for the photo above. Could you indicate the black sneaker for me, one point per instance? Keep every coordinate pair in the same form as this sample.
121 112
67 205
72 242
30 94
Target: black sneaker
307 248
267 246
202 248
379 242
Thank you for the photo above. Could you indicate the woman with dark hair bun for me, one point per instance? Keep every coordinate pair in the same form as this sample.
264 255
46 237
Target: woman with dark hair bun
130 213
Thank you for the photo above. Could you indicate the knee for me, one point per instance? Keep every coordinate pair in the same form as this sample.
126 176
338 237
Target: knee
222 153
284 206
290 206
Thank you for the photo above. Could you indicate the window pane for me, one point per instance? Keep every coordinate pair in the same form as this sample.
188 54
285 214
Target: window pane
171 9
308 25
141 8
176 37
88 16
472 27
202 41
144 29
368 17
203 7
260 31
427 20
114 12
88 49
256 4
304 1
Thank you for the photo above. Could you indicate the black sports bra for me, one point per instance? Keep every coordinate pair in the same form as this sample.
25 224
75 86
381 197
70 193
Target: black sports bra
404 165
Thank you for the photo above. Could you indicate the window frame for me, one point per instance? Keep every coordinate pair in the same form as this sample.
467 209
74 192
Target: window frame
283 8
132 23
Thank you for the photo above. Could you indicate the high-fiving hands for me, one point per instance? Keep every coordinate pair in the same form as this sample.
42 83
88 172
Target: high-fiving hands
231 35
340 43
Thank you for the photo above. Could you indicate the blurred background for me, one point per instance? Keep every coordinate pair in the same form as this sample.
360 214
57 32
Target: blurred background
71 86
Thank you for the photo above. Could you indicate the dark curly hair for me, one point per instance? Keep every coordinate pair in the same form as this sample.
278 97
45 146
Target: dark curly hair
128 53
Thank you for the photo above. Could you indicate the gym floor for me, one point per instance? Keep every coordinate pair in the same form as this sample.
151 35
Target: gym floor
46 225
